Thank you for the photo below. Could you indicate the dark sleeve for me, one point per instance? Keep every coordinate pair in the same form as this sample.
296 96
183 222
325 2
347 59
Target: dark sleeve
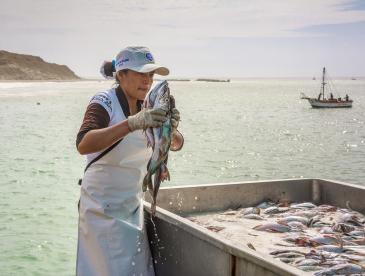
95 117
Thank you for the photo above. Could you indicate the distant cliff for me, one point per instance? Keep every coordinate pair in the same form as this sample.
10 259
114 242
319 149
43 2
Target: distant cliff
26 67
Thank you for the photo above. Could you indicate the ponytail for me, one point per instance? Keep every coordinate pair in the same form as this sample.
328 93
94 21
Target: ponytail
107 69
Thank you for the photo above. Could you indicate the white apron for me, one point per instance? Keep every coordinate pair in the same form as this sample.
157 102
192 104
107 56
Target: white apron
112 239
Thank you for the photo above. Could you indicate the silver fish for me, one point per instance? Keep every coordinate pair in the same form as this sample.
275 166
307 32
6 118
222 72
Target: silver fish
276 252
292 238
251 210
289 255
253 216
307 262
276 210
341 269
350 219
265 204
318 224
334 262
286 260
331 248
353 257
306 213
159 139
288 219
304 205
326 230
230 213
357 233
325 240
296 226
309 267
272 227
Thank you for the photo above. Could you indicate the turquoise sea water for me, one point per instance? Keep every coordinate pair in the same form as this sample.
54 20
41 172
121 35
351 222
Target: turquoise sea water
238 131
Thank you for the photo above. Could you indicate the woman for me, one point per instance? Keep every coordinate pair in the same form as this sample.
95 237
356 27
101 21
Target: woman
112 238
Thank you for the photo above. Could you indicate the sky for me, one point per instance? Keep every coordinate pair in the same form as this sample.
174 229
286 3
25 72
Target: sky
193 38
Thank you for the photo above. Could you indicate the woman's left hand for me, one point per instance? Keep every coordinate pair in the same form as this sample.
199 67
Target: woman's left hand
175 118
177 140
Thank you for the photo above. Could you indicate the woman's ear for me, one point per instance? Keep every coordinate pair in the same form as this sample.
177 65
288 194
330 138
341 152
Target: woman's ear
119 76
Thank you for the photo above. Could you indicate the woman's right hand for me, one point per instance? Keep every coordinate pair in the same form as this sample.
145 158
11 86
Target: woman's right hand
147 118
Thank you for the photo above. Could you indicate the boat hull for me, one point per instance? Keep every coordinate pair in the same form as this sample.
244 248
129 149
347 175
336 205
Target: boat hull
315 103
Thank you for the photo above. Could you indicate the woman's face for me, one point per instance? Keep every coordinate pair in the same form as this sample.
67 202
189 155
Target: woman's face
135 84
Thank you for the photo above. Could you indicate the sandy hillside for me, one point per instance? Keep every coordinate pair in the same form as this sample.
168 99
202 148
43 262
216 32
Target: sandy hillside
26 67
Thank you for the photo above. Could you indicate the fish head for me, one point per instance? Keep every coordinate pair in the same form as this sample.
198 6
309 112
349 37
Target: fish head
158 97
153 93
163 98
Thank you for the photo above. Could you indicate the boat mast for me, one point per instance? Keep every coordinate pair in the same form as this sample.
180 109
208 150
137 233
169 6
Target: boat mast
323 83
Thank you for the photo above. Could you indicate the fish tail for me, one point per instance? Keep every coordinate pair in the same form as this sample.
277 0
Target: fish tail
165 174
147 182
154 191
156 182
156 187
257 227
153 208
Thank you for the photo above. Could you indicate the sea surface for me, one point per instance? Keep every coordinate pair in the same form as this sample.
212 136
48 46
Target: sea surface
244 130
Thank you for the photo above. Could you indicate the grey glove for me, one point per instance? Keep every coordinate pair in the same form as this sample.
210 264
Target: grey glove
175 118
146 118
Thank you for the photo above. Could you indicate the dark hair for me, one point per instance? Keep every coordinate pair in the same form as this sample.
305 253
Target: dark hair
109 68
124 71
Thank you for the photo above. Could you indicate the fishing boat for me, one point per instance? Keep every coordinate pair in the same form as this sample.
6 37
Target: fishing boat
322 102
180 246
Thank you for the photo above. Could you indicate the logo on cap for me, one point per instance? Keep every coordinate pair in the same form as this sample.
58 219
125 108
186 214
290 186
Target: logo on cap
149 57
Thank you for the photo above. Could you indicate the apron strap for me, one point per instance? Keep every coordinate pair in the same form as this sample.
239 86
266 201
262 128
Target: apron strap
123 102
100 156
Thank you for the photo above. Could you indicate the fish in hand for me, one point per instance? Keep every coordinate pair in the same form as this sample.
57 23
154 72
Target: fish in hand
159 138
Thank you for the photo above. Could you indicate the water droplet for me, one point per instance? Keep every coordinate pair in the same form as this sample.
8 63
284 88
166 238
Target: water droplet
196 198
133 263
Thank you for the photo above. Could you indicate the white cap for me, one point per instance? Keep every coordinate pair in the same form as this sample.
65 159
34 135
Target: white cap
138 59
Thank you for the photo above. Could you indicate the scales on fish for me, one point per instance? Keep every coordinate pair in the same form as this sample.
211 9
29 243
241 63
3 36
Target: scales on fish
159 138
323 102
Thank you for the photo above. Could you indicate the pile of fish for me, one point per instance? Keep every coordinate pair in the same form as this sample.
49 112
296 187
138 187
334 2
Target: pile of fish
335 237
323 240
